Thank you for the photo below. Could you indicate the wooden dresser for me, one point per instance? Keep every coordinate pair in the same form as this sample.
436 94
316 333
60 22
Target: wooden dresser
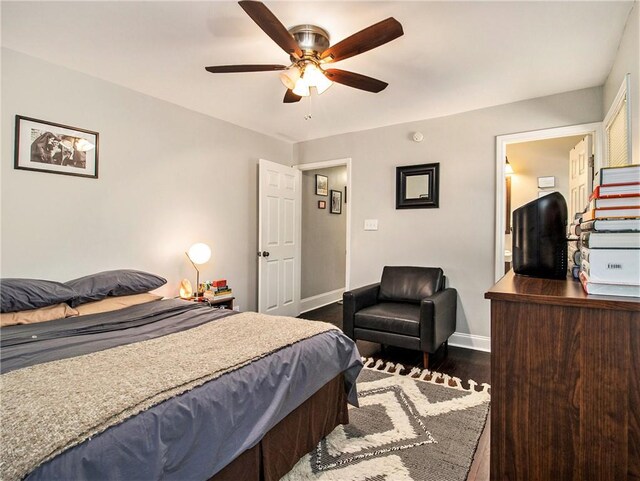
565 378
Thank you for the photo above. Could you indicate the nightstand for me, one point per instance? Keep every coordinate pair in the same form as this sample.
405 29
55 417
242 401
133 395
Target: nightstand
222 303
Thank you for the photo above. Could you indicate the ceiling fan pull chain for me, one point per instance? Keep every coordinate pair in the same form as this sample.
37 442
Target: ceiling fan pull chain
308 115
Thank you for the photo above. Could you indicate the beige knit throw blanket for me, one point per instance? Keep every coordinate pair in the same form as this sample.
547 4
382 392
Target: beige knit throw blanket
50 407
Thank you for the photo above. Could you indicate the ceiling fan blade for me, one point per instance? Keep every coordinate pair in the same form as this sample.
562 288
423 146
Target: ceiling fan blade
268 22
290 97
370 37
244 68
355 80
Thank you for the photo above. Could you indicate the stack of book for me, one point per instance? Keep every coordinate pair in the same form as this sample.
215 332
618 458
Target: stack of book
219 290
610 234
573 247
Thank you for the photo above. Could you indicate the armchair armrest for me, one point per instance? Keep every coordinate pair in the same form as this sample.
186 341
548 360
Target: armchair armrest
353 301
437 319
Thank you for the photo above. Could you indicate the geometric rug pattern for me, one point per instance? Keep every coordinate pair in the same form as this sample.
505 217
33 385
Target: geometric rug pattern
423 426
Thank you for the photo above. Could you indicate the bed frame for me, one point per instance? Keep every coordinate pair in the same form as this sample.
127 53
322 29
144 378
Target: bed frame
293 437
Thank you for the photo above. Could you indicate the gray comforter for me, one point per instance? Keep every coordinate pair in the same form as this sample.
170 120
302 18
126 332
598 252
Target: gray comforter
193 435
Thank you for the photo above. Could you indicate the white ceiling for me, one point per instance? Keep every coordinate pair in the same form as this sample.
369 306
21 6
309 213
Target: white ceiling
454 56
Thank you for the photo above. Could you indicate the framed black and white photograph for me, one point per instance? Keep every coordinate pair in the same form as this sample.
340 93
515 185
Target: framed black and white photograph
336 202
322 185
44 146
322 204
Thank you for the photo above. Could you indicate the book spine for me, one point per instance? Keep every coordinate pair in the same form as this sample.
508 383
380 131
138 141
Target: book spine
589 215
606 289
574 230
611 213
626 174
604 191
575 271
584 280
631 202
608 225
587 226
617 266
584 238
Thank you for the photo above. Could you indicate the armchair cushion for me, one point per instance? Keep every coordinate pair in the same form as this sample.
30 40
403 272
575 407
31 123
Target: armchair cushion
409 284
396 317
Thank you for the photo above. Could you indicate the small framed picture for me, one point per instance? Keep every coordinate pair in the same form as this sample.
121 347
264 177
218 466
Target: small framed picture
336 202
322 204
45 146
545 182
542 193
322 185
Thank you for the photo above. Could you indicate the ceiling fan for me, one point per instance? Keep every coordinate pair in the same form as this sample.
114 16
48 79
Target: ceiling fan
309 50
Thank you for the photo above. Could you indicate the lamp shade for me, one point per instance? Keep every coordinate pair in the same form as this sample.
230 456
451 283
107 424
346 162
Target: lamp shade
507 168
315 77
199 253
290 77
186 291
301 88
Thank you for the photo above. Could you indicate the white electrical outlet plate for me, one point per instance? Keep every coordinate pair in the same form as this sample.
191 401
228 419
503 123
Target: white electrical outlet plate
371 224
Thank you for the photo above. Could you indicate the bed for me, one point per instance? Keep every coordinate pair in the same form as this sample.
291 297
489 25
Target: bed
170 390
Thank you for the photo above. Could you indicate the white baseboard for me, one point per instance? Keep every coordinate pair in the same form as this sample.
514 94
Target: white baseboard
469 341
314 302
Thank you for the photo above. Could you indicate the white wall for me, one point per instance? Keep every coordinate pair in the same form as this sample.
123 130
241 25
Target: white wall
168 177
458 236
324 235
627 61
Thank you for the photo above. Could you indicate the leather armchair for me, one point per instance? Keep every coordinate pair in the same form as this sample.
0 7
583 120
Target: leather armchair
410 307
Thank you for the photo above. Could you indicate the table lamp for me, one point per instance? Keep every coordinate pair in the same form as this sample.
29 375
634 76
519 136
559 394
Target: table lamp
198 254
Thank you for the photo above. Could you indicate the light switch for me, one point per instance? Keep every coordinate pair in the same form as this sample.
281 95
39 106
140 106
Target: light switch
371 224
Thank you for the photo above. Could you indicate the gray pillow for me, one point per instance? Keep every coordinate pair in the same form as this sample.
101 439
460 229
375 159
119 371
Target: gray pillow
23 294
121 282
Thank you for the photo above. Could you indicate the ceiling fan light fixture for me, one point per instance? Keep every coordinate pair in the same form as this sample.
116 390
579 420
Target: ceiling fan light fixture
289 77
309 48
315 77
302 88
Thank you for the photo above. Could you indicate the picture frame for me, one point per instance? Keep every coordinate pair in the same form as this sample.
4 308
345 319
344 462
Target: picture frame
336 202
542 193
322 185
546 182
322 204
44 146
418 186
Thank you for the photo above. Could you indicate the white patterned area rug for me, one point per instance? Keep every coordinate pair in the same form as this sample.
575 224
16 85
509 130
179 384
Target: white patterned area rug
423 426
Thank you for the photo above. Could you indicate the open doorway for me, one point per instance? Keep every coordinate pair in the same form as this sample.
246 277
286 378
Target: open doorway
553 160
325 232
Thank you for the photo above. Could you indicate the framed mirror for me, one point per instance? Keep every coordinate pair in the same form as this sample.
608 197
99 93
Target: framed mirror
417 186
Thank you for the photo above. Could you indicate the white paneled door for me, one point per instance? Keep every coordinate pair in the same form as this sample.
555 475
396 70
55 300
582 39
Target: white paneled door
279 239
579 176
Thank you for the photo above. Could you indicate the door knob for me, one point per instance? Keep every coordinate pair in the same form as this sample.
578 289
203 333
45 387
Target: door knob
265 253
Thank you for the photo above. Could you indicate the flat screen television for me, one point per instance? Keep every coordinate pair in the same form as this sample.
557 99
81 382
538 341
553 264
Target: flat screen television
539 238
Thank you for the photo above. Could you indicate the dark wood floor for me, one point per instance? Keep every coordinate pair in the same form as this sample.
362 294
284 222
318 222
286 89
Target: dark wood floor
459 362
